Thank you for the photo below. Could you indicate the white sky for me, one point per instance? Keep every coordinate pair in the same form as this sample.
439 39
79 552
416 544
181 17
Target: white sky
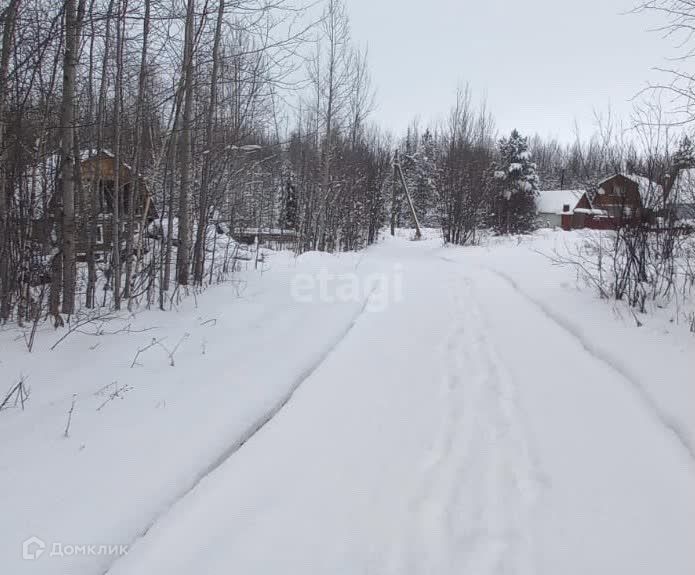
542 64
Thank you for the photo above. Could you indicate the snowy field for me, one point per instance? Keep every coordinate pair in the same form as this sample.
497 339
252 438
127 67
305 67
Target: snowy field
408 409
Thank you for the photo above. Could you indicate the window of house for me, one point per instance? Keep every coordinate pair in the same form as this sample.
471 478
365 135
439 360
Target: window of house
100 234
566 208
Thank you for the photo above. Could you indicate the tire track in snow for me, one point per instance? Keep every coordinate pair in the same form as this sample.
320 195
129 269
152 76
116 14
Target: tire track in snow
479 482
667 421
511 483
256 426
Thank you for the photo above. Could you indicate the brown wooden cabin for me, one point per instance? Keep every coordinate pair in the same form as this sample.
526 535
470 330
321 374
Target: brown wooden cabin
98 177
622 199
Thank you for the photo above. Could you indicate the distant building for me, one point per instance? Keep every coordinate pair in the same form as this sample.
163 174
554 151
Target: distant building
98 178
554 205
620 199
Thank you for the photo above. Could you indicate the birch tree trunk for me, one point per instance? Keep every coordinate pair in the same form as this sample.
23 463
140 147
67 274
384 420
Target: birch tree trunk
169 199
182 254
337 36
68 159
89 192
116 222
135 178
199 252
101 121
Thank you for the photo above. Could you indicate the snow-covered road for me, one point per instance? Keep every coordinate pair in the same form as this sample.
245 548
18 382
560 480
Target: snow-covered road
462 429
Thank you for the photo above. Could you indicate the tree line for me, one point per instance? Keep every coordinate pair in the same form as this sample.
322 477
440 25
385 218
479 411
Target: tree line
214 114
138 137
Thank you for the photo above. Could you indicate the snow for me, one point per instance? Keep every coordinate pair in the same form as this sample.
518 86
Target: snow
494 418
267 231
87 154
591 212
554 201
527 187
245 148
126 462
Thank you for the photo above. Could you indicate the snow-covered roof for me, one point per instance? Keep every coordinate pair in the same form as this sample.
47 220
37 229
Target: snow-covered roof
554 201
93 153
244 148
266 231
591 212
647 189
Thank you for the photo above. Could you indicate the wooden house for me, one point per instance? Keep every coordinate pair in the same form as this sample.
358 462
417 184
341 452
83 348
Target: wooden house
622 199
98 178
98 172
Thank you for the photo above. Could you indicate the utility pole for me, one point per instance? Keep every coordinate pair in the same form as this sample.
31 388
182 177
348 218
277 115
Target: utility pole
397 168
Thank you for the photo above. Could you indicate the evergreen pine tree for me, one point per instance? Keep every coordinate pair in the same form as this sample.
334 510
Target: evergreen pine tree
517 180
290 208
684 158
426 180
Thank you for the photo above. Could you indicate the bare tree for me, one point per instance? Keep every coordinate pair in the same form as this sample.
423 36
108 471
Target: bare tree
183 249
137 152
203 201
331 88
678 26
68 159
9 16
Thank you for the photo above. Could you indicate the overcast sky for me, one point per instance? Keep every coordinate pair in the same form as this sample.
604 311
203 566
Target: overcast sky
542 64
